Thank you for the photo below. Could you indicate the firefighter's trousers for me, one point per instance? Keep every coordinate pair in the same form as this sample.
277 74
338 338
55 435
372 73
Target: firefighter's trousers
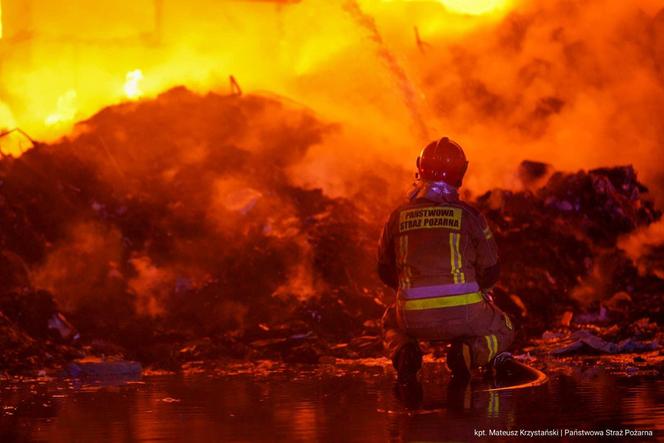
482 326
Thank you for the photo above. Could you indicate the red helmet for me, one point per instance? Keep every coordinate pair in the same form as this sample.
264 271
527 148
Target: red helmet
442 160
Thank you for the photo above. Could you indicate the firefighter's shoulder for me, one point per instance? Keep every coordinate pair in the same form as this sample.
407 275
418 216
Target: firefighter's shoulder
406 206
471 211
410 204
467 208
394 215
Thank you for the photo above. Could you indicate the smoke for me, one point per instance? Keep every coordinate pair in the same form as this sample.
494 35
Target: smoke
576 84
598 284
82 266
643 246
180 213
152 286
174 205
403 83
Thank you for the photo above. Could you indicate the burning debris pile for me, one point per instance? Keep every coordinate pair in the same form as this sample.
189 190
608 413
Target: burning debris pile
170 231
558 241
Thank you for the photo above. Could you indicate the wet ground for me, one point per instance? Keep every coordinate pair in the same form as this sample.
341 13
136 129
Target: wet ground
340 401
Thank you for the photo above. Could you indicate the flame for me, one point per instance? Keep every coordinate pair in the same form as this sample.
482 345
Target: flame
310 51
6 117
65 111
531 77
132 86
475 7
509 80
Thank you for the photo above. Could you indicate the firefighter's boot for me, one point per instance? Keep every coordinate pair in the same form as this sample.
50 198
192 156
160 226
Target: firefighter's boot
407 361
503 365
458 360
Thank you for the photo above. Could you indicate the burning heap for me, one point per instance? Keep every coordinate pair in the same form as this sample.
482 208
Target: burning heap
558 241
170 230
167 221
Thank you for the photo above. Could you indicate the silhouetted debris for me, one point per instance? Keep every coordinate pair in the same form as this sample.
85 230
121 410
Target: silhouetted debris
532 173
97 368
558 245
585 341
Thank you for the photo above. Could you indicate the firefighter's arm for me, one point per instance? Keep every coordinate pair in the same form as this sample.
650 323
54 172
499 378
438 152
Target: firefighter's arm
489 276
488 265
387 267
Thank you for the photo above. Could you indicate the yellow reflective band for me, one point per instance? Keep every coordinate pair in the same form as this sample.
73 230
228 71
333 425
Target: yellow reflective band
466 356
462 276
489 345
494 404
492 344
404 280
452 258
456 261
447 301
487 233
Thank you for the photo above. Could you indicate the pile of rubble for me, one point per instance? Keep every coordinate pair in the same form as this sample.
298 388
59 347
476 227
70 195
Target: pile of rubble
559 248
168 231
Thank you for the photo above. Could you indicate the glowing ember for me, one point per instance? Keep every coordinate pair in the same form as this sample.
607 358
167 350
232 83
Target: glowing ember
132 87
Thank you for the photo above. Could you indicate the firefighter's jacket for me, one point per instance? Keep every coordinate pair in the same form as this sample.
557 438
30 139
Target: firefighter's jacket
436 245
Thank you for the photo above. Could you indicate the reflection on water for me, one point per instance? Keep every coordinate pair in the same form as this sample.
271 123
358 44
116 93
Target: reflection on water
328 403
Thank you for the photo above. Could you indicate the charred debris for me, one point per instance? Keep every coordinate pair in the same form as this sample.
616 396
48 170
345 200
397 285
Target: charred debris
169 231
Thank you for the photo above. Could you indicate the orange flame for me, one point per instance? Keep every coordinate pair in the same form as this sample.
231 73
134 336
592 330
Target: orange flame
293 50
509 79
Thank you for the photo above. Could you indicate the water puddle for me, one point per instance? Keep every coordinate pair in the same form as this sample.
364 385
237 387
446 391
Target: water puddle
340 402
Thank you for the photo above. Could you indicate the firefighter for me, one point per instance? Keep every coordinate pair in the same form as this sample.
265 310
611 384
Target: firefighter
440 256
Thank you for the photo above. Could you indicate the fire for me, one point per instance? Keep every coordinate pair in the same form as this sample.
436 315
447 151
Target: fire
529 77
309 51
475 7
217 203
132 87
66 109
